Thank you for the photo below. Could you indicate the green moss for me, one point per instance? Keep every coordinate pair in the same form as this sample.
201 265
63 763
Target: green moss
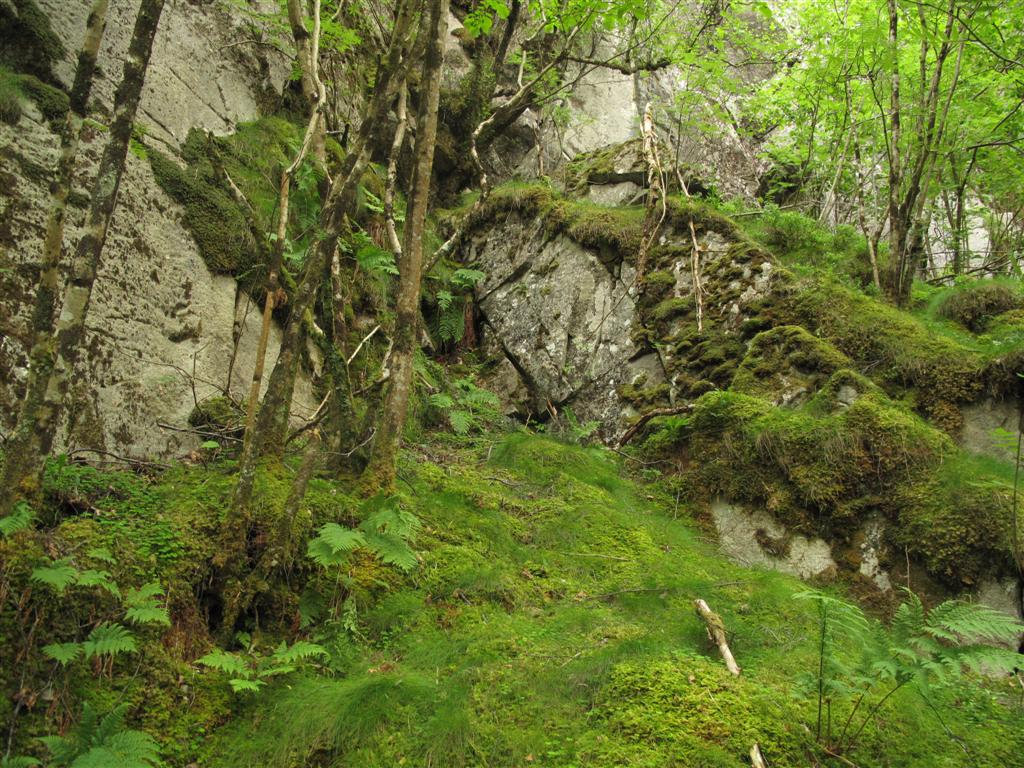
785 359
613 232
52 102
11 97
973 305
898 349
27 40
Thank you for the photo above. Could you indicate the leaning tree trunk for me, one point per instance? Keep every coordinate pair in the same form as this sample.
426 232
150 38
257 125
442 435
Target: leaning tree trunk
381 470
55 349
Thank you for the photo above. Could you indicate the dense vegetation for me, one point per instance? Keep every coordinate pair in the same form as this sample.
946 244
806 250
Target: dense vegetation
421 574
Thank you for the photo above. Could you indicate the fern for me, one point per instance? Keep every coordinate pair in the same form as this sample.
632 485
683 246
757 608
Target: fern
102 554
18 762
225 662
465 279
242 685
108 639
95 578
333 544
298 651
19 520
461 421
143 606
64 653
60 575
103 743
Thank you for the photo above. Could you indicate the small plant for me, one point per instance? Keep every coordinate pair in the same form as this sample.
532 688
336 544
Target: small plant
106 639
19 520
97 742
921 649
466 406
250 672
385 532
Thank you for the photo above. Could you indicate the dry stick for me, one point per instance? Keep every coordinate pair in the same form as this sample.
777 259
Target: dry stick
756 758
655 190
632 431
392 178
698 289
716 633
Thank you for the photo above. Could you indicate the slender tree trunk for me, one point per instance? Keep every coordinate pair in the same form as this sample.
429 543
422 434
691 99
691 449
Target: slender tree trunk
307 49
381 470
308 55
56 347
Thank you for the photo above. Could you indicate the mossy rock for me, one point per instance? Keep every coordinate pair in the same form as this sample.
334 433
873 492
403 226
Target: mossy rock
974 305
787 362
27 40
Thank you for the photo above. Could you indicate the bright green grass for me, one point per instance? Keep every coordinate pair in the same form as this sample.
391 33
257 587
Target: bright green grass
551 624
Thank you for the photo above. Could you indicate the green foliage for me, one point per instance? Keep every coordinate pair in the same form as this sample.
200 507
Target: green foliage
466 406
385 531
60 575
923 648
108 639
11 97
19 520
143 605
250 672
105 742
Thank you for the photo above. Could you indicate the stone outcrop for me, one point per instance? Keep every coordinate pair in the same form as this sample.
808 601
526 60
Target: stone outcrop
163 330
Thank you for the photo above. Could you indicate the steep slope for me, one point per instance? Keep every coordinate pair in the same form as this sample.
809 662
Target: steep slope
549 621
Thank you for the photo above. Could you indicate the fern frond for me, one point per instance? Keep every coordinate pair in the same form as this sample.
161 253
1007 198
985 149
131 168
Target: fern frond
333 543
143 607
16 761
957 621
298 651
64 653
108 640
461 421
60 575
239 685
441 400
95 578
393 550
19 520
467 278
101 553
225 662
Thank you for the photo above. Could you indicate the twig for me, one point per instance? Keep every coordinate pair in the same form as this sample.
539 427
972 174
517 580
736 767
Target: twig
361 343
123 459
716 633
595 554
203 432
632 431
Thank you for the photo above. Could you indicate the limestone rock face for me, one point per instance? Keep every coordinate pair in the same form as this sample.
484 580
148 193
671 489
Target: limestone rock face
163 331
203 72
560 316
583 333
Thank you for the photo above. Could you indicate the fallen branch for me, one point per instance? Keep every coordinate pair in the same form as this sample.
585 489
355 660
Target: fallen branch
716 634
756 758
632 431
